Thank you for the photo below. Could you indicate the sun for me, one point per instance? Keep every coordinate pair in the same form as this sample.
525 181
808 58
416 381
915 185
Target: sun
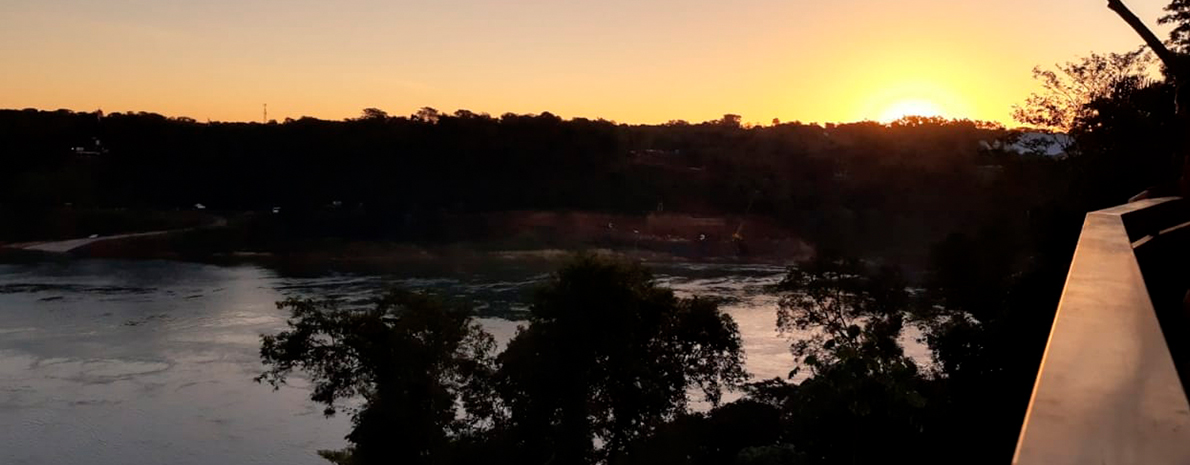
914 107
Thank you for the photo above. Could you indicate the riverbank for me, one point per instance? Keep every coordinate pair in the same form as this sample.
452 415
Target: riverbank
349 242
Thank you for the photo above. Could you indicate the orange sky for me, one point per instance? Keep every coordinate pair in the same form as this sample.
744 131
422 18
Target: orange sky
637 61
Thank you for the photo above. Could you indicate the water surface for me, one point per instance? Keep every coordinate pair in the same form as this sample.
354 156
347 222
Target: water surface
150 362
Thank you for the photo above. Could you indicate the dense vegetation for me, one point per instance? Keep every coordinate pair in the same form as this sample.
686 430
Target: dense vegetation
607 359
606 366
868 187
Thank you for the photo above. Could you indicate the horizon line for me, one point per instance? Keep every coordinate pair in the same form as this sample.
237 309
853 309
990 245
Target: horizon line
746 123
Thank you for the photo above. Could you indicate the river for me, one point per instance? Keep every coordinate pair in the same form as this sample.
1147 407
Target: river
148 362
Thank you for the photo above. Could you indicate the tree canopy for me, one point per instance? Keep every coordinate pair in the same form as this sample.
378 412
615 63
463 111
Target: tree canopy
610 356
409 362
607 360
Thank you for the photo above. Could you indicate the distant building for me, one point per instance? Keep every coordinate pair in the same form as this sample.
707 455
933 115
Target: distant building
94 148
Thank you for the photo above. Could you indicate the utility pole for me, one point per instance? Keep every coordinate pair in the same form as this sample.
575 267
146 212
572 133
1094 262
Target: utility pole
266 114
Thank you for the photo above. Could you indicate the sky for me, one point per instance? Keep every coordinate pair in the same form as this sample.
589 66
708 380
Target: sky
631 61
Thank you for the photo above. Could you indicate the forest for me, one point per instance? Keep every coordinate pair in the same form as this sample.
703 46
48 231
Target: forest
872 189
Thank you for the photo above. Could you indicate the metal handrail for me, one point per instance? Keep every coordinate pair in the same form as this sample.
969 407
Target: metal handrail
1108 390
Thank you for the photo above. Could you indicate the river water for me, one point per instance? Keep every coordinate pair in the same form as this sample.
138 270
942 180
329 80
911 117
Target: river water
151 362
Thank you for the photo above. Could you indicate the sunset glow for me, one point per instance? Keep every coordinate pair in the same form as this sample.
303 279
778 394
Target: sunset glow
911 108
630 61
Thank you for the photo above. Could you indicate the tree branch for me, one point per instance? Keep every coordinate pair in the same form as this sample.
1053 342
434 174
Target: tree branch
1151 39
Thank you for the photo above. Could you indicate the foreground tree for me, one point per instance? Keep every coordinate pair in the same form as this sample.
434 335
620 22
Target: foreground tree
838 311
724 435
602 372
409 362
608 358
1177 73
1178 14
865 400
1067 89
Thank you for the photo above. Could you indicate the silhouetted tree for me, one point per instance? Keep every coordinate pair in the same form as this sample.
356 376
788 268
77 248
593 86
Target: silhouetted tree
1068 89
837 310
412 363
1178 14
374 114
1130 140
607 359
865 400
717 437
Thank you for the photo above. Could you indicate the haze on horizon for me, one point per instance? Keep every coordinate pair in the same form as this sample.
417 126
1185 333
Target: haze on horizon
631 61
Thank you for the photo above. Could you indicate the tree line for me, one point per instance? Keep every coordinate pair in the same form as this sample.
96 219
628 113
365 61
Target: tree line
868 186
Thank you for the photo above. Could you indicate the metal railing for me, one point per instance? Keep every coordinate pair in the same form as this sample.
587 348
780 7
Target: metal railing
1109 390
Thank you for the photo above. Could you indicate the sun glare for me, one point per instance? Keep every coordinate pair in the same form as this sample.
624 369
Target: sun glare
905 108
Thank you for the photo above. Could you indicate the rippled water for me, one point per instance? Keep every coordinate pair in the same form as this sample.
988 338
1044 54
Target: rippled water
151 362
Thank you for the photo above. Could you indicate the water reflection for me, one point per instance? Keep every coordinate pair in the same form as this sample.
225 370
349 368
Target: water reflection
148 362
